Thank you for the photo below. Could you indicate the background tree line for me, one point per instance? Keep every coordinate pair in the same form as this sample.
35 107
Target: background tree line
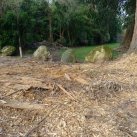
69 22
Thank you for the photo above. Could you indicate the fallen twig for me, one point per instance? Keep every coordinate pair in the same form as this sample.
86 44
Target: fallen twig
66 92
21 105
11 93
33 129
40 122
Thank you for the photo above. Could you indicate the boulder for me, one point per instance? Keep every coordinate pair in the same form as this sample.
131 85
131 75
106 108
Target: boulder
42 53
8 51
99 54
68 56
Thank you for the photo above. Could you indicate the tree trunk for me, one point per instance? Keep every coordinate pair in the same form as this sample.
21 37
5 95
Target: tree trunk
69 38
20 48
19 38
0 8
127 38
133 45
50 29
50 23
60 36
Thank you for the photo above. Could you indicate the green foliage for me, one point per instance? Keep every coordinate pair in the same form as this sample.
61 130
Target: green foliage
81 52
71 22
29 22
129 6
8 33
93 22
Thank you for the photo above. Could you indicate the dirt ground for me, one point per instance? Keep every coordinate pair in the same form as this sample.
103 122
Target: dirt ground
46 99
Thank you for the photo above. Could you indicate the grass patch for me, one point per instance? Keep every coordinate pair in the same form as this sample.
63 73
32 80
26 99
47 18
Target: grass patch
81 52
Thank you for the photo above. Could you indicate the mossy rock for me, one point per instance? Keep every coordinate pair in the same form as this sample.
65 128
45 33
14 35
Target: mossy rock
42 53
68 56
99 54
8 51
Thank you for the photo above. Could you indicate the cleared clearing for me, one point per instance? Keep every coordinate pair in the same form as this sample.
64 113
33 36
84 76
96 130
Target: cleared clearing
43 99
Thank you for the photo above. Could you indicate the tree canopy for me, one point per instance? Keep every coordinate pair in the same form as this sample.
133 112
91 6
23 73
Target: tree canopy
69 22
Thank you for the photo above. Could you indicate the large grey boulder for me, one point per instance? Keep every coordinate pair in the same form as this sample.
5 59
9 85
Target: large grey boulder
68 56
42 53
99 54
8 51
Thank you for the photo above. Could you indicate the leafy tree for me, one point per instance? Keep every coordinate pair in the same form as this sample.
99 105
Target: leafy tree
70 22
24 22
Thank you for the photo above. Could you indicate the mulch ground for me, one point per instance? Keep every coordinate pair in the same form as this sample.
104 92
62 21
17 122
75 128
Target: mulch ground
47 99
